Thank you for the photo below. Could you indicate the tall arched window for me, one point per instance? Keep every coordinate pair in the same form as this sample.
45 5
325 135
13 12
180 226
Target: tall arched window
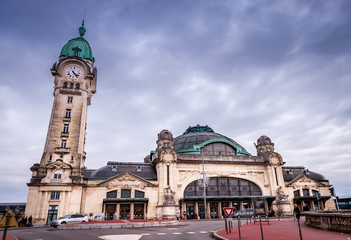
224 186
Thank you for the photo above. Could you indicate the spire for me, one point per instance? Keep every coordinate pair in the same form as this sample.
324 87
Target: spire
82 28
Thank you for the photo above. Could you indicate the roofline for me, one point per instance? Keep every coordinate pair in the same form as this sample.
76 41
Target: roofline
196 149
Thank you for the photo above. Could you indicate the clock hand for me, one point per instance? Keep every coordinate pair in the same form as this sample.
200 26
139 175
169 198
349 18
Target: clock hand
75 74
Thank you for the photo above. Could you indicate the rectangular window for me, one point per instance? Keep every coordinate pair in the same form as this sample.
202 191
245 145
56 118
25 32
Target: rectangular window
68 113
125 193
65 128
305 192
55 195
69 99
63 143
112 194
139 194
297 193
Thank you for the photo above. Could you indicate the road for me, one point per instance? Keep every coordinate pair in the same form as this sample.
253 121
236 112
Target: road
194 230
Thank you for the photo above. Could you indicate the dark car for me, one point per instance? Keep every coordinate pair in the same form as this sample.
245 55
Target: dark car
248 212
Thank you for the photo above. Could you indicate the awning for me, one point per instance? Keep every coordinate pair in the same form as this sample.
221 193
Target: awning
224 198
118 200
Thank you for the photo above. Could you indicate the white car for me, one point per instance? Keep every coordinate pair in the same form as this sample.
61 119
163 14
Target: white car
70 218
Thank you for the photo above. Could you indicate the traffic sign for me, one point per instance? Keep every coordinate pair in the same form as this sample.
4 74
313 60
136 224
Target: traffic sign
228 211
8 221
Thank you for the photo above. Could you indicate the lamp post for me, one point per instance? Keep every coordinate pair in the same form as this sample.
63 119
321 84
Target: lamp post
204 183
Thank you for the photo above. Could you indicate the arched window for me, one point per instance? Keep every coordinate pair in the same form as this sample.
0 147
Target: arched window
77 86
57 175
71 85
224 186
65 84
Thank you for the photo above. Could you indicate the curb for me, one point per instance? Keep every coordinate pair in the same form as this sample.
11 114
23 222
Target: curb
216 236
118 225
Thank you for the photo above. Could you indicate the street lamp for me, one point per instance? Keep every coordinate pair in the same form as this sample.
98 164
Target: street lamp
204 183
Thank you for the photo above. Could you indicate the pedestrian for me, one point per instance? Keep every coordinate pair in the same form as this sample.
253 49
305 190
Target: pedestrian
177 216
30 221
297 212
305 208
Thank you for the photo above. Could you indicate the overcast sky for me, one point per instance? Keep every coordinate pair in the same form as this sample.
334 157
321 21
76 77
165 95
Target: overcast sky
245 68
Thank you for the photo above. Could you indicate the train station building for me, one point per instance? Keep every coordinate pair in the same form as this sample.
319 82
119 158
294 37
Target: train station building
195 174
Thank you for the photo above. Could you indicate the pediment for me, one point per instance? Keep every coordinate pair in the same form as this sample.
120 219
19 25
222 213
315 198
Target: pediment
304 180
58 164
126 180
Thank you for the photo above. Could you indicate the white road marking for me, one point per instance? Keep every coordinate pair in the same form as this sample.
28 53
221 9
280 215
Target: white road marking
202 232
121 237
191 232
177 233
161 233
145 234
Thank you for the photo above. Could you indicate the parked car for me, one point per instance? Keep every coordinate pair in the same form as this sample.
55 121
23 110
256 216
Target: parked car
70 218
248 212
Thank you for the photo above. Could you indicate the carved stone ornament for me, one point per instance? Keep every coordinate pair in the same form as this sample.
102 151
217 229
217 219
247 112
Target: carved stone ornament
169 197
168 155
276 159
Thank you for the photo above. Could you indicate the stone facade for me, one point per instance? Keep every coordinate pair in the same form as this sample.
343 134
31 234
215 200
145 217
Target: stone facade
167 182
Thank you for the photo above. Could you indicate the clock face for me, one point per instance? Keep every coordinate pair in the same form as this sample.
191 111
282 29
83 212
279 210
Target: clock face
73 72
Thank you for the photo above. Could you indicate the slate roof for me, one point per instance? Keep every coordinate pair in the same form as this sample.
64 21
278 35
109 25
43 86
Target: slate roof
143 170
289 173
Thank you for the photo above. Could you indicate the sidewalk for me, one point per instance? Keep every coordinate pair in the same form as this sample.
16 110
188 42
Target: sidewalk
120 224
277 230
8 237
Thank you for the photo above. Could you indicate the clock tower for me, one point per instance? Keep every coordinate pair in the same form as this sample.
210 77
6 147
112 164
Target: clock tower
74 84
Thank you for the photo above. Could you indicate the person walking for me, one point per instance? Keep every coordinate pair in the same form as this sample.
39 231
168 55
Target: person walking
297 212
30 221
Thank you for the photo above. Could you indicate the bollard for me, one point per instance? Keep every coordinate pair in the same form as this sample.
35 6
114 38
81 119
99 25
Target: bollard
261 228
226 226
239 226
247 221
298 222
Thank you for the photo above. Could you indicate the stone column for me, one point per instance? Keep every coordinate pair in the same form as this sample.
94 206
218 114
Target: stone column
208 210
145 217
63 203
44 204
230 204
219 210
197 209
241 205
118 208
37 212
132 211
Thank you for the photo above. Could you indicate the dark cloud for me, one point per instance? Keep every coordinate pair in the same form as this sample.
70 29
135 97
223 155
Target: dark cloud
245 68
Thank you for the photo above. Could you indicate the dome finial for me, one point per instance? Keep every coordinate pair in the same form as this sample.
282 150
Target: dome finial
82 28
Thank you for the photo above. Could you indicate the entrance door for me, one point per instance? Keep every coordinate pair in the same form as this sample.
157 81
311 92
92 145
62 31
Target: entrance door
201 210
214 209
110 211
139 211
190 210
52 214
124 212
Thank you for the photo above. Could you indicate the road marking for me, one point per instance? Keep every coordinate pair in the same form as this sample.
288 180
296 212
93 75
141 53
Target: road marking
191 232
177 233
145 234
161 233
202 232
121 237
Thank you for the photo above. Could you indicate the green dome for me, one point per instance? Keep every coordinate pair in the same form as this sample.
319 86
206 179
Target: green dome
194 138
78 47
